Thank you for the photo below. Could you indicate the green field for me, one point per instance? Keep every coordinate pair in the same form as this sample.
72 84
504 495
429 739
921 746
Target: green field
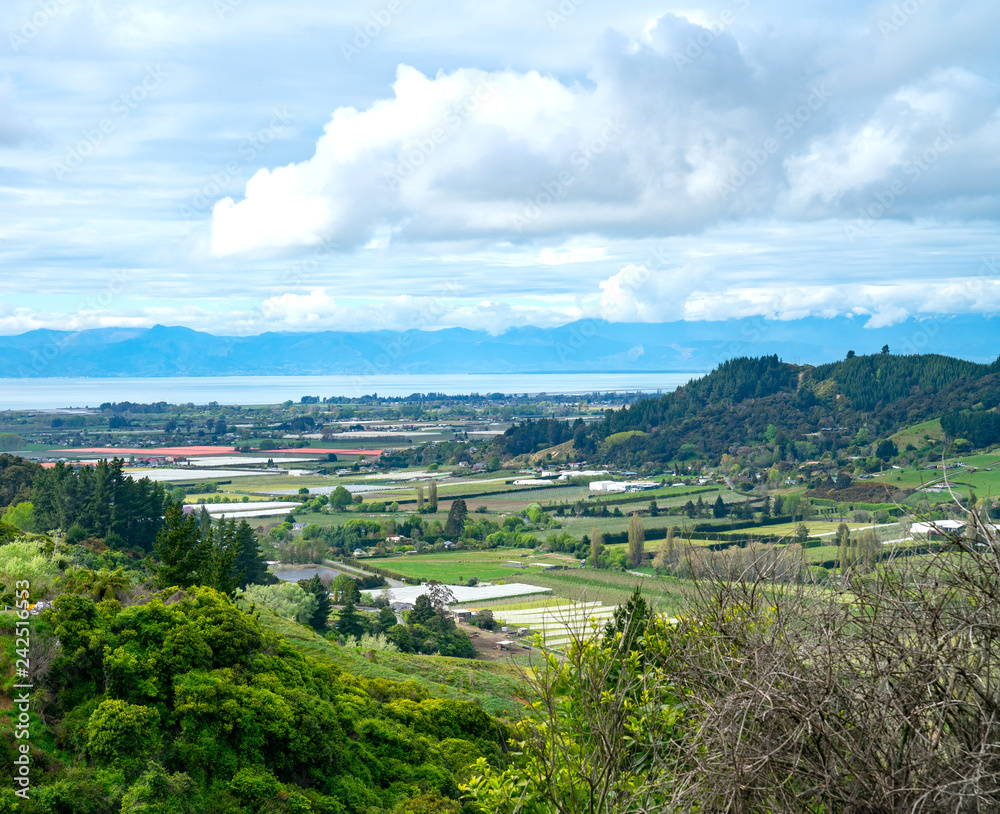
817 528
985 481
460 566
918 434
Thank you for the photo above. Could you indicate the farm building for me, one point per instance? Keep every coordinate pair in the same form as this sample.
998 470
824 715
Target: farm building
462 615
937 528
622 485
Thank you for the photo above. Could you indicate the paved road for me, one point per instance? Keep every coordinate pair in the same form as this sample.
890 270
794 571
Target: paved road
351 571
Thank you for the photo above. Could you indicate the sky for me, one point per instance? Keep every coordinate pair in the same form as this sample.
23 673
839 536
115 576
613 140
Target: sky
241 166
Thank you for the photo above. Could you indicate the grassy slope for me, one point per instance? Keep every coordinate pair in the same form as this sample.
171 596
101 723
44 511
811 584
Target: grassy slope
493 684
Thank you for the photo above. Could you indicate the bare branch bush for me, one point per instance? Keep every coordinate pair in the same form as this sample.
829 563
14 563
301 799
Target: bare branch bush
877 694
881 695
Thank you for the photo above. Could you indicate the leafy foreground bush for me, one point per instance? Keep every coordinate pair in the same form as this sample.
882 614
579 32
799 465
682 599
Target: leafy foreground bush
880 695
185 704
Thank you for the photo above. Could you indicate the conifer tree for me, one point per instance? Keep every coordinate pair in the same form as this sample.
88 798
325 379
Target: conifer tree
320 620
179 549
250 562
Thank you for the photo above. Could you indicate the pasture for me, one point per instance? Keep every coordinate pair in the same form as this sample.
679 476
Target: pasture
456 567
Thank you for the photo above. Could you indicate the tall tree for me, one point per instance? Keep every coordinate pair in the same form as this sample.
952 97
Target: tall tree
843 539
250 562
719 507
432 495
320 620
636 540
455 524
178 547
596 544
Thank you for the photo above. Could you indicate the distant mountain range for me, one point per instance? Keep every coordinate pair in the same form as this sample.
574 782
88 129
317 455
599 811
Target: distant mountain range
585 346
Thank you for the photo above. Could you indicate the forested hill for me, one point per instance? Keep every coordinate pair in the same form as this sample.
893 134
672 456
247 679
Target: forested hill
883 379
749 401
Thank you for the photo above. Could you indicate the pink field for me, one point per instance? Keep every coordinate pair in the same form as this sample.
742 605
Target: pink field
148 451
325 451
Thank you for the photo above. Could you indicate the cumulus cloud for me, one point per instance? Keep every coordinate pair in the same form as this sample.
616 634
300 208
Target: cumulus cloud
678 129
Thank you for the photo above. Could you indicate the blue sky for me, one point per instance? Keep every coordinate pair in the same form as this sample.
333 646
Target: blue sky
243 166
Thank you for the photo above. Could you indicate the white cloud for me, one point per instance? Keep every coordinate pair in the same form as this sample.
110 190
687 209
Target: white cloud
679 129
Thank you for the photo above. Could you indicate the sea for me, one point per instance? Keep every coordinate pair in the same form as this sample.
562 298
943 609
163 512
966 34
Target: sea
69 393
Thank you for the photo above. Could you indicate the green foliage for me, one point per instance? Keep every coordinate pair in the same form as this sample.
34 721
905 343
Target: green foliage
456 518
193 553
102 584
886 449
636 540
101 500
25 560
320 619
604 720
16 478
21 516
184 704
10 441
156 792
285 599
122 734
981 429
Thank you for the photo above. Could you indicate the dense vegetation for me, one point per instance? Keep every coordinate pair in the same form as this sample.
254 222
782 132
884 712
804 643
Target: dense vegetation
184 703
749 401
100 501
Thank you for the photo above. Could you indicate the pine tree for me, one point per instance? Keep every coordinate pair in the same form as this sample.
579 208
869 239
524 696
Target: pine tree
179 549
320 620
250 562
636 540
719 507
221 551
348 623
